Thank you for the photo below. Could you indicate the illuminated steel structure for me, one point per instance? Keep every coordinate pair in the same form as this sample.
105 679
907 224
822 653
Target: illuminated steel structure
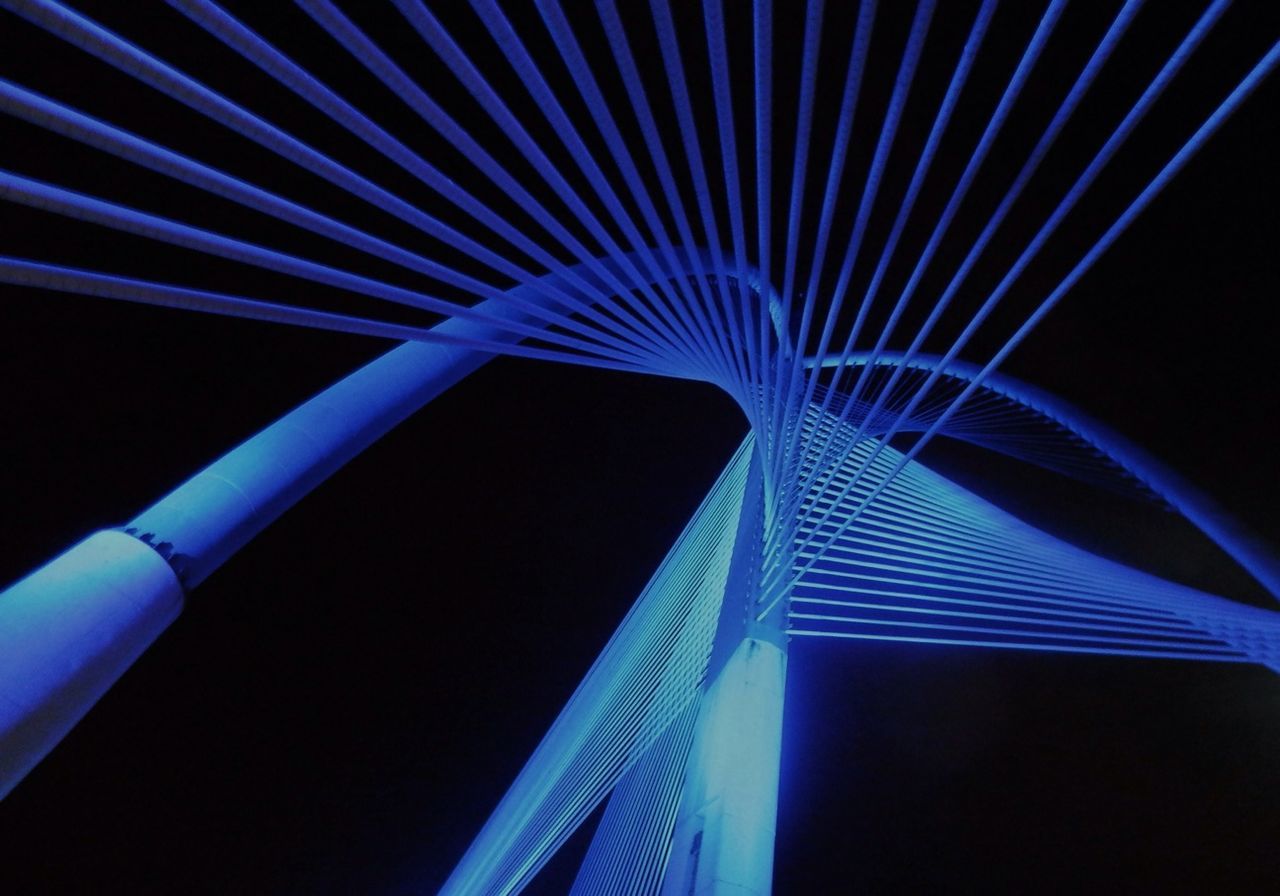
673 254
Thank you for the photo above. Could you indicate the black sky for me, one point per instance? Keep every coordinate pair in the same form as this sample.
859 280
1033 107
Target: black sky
342 704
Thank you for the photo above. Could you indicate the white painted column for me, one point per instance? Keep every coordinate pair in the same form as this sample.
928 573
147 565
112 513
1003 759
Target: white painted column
724 835
67 632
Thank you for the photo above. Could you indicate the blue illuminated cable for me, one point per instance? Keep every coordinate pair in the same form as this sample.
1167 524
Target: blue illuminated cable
1202 644
112 49
629 851
618 851
835 170
1180 55
995 124
396 80
1135 607
953 558
1021 630
1114 580
1157 636
1198 642
579 760
674 66
959 77
659 587
24 272
1256 75
589 89
753 397
710 313
519 58
552 825
1026 613
561 795
1133 600
555 819
357 44
465 70
898 536
600 112
1075 583
884 601
1126 597
1116 576
658 818
924 506
95 40
948 574
1162 483
791 386
999 115
1081 86
1066 590
762 56
830 444
90 37
961 534
722 95
956 525
270 60
990 562
677 84
48 197
1029 599
1149 96
923 164
932 532
702 533
1233 657
799 169
871 189
41 111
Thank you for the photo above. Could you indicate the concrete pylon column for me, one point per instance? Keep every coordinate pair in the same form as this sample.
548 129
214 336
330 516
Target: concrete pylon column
724 835
67 632
722 844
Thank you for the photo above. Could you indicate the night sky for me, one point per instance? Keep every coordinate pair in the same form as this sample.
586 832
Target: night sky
340 706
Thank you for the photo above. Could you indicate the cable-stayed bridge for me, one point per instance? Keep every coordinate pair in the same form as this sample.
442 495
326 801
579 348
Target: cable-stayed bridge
828 237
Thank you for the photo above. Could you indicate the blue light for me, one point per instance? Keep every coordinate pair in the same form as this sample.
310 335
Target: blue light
817 528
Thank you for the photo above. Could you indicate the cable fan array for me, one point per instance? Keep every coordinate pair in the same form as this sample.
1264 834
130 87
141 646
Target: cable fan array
673 189
666 193
925 562
930 562
635 705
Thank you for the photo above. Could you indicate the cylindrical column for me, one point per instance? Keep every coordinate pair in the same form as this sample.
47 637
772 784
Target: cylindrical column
724 835
67 632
